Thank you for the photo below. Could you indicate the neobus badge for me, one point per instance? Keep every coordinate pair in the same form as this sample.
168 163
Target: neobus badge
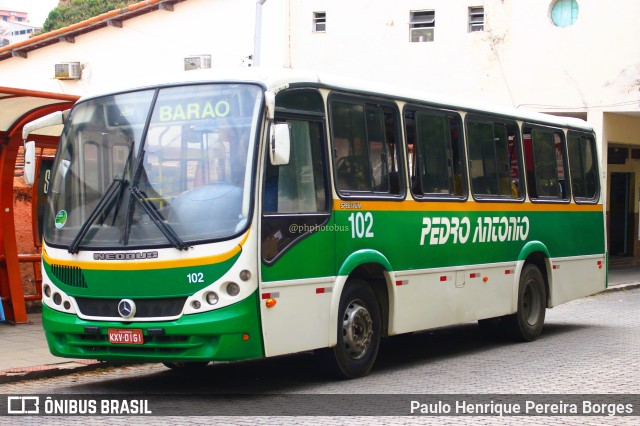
144 255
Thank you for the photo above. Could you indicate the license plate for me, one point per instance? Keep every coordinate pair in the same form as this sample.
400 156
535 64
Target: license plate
127 336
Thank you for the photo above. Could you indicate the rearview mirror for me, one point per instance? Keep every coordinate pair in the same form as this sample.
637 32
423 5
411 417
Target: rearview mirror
280 144
29 162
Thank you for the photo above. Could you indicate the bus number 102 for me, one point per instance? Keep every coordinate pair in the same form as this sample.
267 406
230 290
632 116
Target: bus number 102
195 277
361 224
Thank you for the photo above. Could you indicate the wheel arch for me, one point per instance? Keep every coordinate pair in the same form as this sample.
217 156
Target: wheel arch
374 268
536 253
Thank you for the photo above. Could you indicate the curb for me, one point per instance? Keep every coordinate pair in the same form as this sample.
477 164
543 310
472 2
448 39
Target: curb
621 287
54 370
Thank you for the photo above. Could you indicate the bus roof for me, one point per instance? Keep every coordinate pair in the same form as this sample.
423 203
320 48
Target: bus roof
276 79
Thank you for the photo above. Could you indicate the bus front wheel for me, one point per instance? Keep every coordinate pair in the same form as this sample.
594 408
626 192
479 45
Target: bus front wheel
359 329
526 324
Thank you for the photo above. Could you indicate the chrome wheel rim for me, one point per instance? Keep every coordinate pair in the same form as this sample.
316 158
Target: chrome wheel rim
357 329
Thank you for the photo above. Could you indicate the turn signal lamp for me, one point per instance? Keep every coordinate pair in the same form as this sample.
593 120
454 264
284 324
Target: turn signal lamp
270 303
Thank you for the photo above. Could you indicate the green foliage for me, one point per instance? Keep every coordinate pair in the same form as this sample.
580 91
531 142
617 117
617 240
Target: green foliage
70 12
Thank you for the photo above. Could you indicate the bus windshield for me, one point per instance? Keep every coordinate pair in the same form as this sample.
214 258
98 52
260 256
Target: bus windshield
166 166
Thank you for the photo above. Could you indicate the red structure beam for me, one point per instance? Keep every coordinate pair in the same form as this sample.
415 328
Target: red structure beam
11 289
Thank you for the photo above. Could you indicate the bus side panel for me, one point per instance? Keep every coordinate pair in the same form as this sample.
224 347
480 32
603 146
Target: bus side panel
576 278
301 283
448 296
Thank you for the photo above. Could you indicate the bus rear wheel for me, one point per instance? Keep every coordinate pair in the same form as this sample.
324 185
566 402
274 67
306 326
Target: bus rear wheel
359 329
526 324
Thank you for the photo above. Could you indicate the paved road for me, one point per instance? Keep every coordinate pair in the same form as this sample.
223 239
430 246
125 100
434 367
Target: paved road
589 346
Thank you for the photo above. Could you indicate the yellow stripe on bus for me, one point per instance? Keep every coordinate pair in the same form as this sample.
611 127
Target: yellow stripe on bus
147 264
454 206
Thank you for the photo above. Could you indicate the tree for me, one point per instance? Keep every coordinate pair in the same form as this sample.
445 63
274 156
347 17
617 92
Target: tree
69 12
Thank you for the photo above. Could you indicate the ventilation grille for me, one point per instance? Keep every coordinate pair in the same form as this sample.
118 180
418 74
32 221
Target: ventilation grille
69 275
145 308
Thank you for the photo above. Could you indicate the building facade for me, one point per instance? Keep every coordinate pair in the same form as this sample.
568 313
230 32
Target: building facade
15 27
565 57
13 16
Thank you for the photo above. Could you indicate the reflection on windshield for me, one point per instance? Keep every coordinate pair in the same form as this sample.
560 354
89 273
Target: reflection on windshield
189 181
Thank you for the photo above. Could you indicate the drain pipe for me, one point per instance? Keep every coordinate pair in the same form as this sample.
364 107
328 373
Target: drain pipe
257 33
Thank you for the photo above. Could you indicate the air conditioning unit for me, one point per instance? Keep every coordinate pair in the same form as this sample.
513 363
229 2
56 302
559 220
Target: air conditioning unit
197 62
68 71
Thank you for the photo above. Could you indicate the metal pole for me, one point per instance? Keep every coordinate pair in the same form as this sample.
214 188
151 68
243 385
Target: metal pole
257 33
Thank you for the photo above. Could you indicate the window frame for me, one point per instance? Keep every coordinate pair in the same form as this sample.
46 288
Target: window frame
568 192
560 9
476 25
420 20
461 147
319 19
590 136
310 222
355 99
493 120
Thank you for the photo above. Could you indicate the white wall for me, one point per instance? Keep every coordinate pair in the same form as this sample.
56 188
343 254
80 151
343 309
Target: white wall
154 44
521 59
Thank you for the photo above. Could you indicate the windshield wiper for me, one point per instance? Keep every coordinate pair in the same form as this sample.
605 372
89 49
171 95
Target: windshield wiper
150 209
158 220
116 186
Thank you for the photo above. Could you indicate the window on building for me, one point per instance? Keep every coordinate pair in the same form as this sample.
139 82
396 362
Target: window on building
564 12
422 25
476 19
319 22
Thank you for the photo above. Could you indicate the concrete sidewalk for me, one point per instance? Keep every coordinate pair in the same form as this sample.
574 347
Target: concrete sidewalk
24 352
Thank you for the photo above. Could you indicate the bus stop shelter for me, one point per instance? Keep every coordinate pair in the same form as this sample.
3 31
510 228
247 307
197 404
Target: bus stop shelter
18 107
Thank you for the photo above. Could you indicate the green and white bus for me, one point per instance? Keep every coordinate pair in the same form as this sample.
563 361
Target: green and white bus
251 213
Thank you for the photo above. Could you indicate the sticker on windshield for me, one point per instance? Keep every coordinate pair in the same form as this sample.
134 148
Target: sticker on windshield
61 219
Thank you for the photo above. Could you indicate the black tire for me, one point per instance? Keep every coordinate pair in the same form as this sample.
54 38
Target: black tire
186 366
359 331
526 324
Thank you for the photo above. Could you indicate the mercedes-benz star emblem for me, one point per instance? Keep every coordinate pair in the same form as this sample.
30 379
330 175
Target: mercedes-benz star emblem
127 308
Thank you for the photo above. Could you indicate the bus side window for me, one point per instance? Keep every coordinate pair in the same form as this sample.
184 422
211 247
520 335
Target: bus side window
494 160
297 187
295 197
583 167
436 163
545 164
365 142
